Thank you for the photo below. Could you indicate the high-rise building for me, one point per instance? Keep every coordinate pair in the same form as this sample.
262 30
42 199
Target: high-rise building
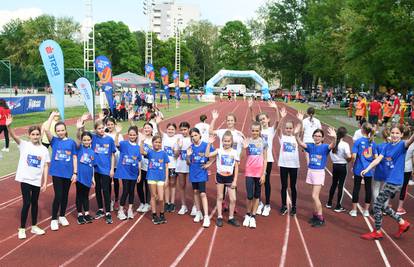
169 15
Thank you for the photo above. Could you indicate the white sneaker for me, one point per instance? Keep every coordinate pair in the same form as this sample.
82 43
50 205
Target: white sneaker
365 213
37 231
54 225
130 214
266 210
252 222
183 210
21 234
353 213
121 215
246 220
141 207
198 217
260 208
5 150
206 222
411 182
63 221
193 211
112 205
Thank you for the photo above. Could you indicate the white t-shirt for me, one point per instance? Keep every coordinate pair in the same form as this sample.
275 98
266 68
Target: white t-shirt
149 99
226 161
31 163
409 159
169 144
268 135
144 162
289 153
182 166
204 129
309 127
237 139
344 151
120 138
154 127
358 134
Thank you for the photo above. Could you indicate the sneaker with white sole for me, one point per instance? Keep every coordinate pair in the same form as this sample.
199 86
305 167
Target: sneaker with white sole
147 207
121 215
353 213
183 210
260 208
36 230
401 211
5 150
21 233
130 214
246 220
63 221
193 211
206 222
141 207
266 210
411 182
54 225
252 222
365 213
198 217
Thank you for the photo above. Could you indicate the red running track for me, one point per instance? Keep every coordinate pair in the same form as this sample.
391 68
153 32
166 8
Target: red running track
277 240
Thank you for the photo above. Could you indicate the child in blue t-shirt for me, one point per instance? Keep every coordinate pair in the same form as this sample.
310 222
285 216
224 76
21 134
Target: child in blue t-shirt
157 176
63 169
318 155
128 169
394 156
199 163
84 181
363 153
379 173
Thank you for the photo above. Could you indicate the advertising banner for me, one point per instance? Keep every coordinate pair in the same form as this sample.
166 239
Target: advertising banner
85 90
165 81
26 104
104 69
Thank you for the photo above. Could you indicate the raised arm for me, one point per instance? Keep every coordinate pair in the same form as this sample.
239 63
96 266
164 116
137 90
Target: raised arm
409 141
281 123
141 147
208 153
118 129
332 133
214 116
273 105
80 126
9 121
297 132
250 104
158 120
48 123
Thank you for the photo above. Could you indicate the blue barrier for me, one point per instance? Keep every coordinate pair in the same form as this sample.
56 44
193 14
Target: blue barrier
26 104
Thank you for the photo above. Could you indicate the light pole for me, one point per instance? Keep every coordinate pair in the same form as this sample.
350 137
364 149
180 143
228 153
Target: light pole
7 64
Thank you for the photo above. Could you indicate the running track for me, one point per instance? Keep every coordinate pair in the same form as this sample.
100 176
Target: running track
277 240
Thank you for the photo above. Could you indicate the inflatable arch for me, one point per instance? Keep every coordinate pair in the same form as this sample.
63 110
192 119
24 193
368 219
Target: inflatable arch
238 74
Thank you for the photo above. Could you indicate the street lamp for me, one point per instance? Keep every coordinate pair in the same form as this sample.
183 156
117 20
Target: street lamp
7 64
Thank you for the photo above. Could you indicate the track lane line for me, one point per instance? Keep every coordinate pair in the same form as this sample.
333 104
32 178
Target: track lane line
7 176
286 236
15 200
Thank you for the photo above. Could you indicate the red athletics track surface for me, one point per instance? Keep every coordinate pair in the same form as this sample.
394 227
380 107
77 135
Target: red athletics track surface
277 240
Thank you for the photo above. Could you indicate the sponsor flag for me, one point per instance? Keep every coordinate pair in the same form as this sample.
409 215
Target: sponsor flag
104 69
85 90
165 82
149 70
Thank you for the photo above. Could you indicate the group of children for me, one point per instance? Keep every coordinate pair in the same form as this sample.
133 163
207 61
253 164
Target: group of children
156 162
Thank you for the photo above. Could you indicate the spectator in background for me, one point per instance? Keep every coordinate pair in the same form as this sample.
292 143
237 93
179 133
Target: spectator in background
396 107
360 109
149 99
387 106
374 112
4 113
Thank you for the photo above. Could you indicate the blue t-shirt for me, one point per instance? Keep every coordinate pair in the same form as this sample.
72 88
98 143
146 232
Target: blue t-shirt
128 164
380 169
365 152
86 161
318 155
61 164
197 160
157 161
394 157
104 147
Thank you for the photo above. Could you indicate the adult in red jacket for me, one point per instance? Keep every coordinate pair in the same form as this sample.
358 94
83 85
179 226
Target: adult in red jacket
4 113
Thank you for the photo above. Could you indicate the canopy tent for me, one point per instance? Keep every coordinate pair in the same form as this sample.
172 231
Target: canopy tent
129 79
172 85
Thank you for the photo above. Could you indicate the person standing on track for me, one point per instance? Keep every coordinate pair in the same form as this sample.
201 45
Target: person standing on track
379 173
128 169
289 162
394 155
227 171
63 169
4 113
31 170
363 153
157 176
318 154
199 163
182 168
340 156
203 127
255 171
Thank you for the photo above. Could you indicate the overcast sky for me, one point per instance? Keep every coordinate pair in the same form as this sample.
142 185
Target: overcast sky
128 11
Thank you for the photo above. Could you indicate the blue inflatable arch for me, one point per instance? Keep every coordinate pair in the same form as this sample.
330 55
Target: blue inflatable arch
238 74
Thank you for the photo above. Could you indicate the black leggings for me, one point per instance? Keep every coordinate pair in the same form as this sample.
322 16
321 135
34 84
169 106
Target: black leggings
116 188
144 197
339 173
407 177
267 183
253 187
61 187
3 128
103 184
82 197
30 194
357 187
128 187
284 173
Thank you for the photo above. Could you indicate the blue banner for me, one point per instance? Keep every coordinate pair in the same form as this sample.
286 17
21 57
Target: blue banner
26 104
149 70
187 83
52 58
165 82
85 90
104 69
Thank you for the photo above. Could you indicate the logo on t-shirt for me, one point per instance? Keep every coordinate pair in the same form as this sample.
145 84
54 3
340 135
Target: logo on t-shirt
34 161
130 161
199 158
169 151
265 137
63 155
156 164
316 159
227 160
289 147
183 154
367 153
389 162
102 149
254 149
86 159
